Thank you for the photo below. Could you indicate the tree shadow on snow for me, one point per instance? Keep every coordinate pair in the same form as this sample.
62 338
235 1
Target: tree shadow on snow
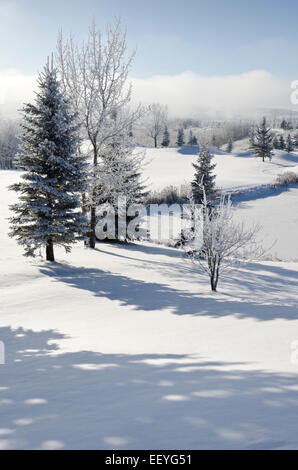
258 287
86 400
240 200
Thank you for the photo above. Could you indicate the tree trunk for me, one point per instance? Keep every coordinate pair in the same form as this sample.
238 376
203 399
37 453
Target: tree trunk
155 142
213 280
84 203
213 285
50 250
92 236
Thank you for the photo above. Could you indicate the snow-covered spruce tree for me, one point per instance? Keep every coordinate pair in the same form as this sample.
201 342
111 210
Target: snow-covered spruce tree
284 125
120 176
262 145
289 144
215 142
282 144
275 143
230 145
55 176
166 138
296 140
180 137
204 178
252 137
190 138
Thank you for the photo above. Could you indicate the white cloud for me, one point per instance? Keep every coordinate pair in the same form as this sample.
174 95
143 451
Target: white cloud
189 94
15 89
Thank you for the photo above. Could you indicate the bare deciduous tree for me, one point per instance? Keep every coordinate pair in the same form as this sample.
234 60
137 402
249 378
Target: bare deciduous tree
9 142
157 119
218 239
94 76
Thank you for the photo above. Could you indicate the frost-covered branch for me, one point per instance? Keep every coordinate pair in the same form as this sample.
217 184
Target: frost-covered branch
217 239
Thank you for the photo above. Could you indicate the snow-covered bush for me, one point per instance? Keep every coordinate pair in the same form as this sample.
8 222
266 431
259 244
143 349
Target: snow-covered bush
217 239
289 177
169 195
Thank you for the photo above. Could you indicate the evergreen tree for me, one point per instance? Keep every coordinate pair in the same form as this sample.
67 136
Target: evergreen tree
47 213
190 139
296 140
252 137
204 179
230 145
214 141
282 144
262 145
130 133
166 137
180 138
275 142
289 144
284 124
119 177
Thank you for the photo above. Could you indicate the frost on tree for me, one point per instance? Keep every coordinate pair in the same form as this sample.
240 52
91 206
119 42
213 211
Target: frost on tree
166 137
94 75
119 187
282 144
47 213
156 121
218 240
180 138
262 144
204 179
289 144
230 145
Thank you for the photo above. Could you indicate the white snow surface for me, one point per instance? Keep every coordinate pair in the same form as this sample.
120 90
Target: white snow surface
274 210
172 166
125 347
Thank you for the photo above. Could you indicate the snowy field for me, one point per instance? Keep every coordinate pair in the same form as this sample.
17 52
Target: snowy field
127 348
172 166
273 210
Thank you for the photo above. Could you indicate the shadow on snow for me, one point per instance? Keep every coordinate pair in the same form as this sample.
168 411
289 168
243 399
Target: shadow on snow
89 400
258 286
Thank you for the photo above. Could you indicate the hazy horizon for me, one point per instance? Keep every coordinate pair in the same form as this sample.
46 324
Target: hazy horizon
213 67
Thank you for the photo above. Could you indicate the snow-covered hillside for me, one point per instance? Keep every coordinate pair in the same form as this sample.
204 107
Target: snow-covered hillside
172 166
126 347
274 210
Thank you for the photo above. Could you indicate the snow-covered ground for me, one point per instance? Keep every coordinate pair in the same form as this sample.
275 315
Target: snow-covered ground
172 166
274 210
126 347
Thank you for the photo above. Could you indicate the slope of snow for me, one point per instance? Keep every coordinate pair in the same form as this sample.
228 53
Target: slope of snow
240 172
126 347
172 166
275 211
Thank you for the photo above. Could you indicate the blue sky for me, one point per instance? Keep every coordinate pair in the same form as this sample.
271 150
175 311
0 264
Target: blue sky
210 37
